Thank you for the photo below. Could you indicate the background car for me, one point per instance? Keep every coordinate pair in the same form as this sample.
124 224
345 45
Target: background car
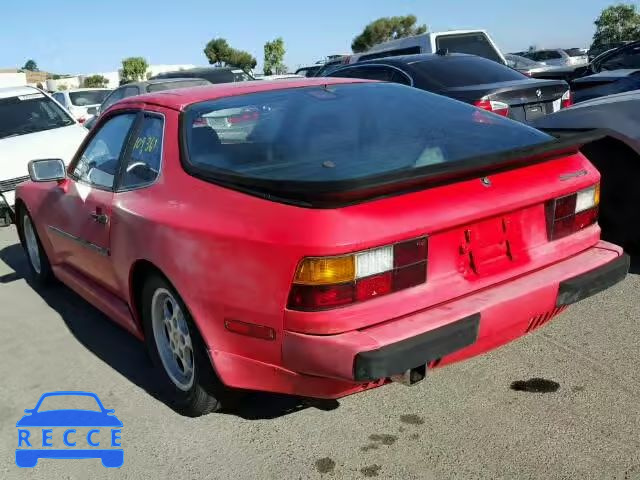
212 74
626 57
534 69
476 80
359 232
32 125
559 57
596 51
82 103
605 83
472 42
140 88
615 151
308 71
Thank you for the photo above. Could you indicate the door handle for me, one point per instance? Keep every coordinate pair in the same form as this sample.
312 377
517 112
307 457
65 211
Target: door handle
100 217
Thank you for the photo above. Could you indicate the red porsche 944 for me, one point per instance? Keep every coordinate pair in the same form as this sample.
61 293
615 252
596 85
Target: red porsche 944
316 237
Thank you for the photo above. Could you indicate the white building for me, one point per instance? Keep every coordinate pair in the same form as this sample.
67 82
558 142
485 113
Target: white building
12 79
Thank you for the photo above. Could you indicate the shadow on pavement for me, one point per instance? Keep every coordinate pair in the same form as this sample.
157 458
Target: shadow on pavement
127 355
635 265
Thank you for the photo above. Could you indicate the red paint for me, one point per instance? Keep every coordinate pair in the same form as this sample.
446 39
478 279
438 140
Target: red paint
233 256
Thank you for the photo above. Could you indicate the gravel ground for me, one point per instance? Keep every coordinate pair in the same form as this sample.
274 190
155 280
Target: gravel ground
470 420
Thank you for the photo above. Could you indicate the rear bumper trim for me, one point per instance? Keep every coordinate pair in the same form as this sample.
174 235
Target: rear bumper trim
398 357
594 281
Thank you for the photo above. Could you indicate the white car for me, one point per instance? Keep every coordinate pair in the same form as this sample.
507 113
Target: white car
32 126
82 103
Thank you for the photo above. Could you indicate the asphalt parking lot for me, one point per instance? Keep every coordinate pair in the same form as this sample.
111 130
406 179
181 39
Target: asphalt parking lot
470 420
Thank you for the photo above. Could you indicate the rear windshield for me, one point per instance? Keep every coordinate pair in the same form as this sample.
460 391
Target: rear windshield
451 72
88 97
574 52
156 87
340 132
471 43
30 113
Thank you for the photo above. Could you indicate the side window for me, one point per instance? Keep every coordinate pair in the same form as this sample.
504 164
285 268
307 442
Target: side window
143 165
552 55
627 58
59 97
99 161
111 99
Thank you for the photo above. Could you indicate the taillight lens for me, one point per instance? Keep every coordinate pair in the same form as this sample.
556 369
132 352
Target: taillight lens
567 99
498 108
322 283
572 213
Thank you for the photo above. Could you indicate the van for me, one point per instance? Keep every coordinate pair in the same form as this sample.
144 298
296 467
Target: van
474 42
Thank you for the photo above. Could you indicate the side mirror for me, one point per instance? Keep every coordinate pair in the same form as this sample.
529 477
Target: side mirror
47 170
28 410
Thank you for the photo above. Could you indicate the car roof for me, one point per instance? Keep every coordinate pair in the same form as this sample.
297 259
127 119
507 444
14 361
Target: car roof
418 57
181 98
8 92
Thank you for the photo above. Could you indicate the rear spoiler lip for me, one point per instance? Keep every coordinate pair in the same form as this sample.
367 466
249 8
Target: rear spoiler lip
343 193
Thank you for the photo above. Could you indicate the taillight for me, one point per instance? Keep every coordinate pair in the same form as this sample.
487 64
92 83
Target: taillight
498 108
81 120
567 99
322 283
572 213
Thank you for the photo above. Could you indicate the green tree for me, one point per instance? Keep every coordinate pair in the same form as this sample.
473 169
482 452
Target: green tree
30 65
95 81
133 69
617 23
532 48
218 52
62 87
274 57
385 29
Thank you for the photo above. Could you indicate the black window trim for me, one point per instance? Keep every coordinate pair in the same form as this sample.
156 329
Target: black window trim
122 162
124 154
378 65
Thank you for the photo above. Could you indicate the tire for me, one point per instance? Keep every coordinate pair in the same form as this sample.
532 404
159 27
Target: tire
192 386
37 259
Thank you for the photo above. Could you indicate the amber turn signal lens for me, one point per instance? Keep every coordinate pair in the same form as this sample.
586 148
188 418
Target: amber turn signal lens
326 271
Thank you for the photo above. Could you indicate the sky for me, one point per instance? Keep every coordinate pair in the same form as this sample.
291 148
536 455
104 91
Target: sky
89 37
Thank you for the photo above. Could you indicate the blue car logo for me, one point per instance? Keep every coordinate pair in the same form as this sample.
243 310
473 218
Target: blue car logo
69 433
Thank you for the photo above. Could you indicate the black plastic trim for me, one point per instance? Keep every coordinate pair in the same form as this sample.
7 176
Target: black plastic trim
416 351
594 281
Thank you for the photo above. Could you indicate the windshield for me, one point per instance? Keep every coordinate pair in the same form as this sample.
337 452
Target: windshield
341 132
471 43
88 97
30 113
463 71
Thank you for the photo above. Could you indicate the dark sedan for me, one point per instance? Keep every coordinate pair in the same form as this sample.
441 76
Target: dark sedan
471 79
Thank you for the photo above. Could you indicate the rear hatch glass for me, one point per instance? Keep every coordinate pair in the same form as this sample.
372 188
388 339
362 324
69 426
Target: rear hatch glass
340 136
471 43
461 71
157 87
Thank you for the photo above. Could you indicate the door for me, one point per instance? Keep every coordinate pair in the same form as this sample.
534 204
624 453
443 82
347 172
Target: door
79 218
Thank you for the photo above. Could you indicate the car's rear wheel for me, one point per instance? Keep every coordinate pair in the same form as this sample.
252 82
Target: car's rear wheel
177 349
37 260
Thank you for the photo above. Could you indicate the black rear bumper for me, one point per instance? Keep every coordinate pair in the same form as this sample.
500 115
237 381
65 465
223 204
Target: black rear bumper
595 281
399 357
